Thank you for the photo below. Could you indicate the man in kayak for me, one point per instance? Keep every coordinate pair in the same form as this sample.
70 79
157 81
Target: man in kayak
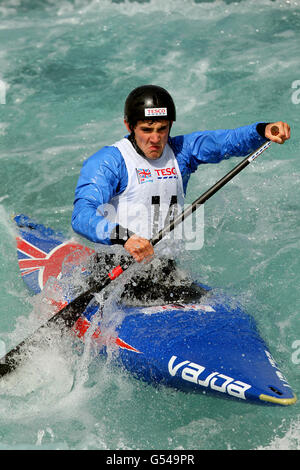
127 192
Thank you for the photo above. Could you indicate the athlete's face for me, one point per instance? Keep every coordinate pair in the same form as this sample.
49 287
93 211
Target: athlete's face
151 137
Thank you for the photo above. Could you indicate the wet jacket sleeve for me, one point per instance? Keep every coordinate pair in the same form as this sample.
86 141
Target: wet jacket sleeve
103 176
198 148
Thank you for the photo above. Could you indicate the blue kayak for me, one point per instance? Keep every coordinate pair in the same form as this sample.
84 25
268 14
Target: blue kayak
206 345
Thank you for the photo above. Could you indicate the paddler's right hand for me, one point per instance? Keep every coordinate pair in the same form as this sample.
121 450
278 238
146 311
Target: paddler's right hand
139 248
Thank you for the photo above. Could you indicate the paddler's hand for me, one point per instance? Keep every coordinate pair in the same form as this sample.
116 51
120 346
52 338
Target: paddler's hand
139 248
278 132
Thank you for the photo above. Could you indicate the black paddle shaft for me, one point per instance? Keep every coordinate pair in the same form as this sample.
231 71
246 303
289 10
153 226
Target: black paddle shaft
69 314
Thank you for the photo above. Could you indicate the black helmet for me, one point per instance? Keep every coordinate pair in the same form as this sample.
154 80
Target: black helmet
149 102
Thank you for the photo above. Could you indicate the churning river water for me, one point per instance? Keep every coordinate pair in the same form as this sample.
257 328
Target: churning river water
66 68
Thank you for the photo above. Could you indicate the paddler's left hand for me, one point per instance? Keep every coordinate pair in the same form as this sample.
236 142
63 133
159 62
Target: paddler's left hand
139 248
278 132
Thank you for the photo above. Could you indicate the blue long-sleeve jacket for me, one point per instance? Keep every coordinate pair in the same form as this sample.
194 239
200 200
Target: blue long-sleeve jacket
104 174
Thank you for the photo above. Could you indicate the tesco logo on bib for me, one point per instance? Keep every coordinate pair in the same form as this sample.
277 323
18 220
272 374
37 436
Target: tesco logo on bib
166 173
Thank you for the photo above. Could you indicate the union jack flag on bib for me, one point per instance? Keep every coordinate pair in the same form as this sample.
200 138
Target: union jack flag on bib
144 175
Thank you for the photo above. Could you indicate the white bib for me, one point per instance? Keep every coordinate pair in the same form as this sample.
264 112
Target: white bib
154 194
